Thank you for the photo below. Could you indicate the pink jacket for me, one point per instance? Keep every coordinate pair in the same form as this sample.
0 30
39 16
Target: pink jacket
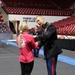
26 54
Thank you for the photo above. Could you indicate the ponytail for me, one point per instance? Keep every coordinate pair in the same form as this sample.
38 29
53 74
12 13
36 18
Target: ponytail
22 28
20 41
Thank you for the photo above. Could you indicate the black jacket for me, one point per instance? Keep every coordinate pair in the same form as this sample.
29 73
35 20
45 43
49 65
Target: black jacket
48 39
37 32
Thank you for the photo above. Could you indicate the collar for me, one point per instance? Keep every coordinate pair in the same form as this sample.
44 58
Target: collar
45 25
24 33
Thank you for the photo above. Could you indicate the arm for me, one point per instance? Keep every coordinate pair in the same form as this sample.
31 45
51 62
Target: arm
46 35
33 44
50 30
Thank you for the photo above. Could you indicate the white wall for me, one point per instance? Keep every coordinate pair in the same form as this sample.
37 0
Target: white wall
30 18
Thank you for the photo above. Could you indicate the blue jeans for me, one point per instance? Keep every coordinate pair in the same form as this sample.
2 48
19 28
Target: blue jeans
36 52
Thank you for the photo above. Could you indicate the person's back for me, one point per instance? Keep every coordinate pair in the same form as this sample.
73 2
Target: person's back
26 54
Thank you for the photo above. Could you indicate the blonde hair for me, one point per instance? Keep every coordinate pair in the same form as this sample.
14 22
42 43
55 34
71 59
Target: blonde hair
39 16
23 27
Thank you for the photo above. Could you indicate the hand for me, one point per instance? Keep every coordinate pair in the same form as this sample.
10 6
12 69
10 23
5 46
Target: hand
35 36
36 43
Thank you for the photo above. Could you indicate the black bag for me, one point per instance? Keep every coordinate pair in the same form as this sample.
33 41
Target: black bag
54 51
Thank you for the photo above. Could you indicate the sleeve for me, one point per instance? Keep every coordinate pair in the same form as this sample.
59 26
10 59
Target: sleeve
50 30
33 43
46 35
40 44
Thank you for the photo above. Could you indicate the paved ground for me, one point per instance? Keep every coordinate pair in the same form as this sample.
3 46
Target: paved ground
9 64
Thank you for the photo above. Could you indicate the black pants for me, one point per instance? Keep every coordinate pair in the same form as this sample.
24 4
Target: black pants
26 68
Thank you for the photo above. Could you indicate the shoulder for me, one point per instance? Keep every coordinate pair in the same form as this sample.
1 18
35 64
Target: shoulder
30 35
51 28
50 25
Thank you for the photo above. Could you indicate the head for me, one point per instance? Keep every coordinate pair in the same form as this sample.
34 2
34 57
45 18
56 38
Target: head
40 20
23 27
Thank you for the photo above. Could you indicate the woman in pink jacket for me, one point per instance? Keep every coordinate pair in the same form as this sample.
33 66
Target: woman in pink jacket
26 43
